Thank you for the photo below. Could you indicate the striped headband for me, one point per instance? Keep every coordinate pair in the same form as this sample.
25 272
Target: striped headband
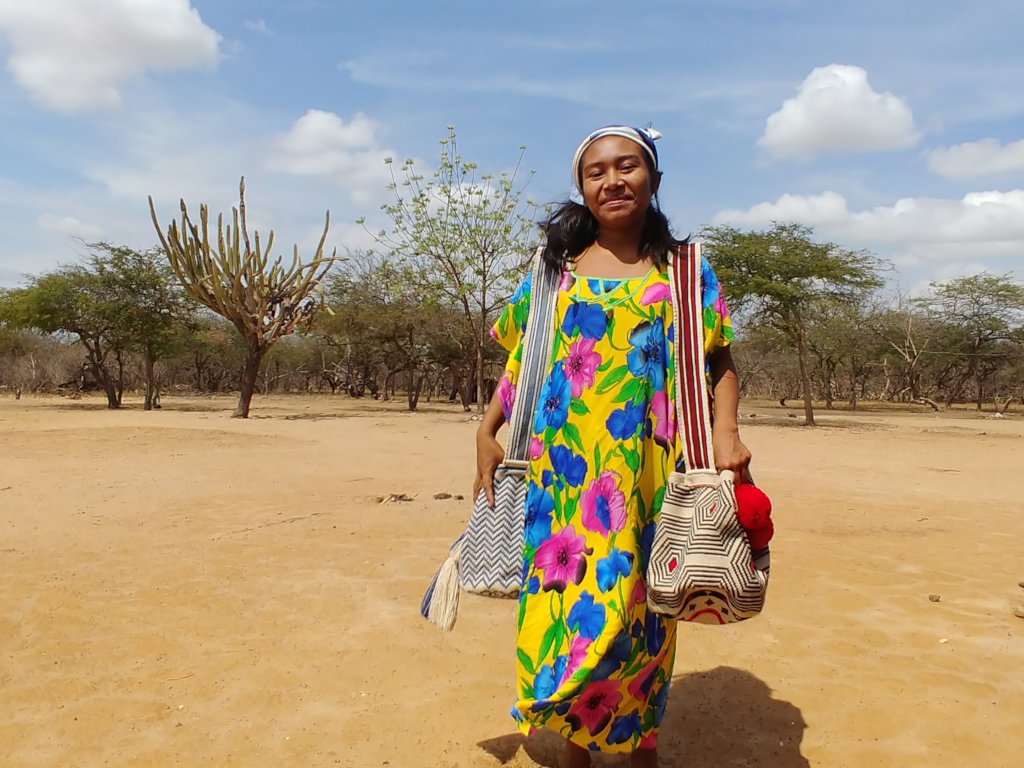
645 137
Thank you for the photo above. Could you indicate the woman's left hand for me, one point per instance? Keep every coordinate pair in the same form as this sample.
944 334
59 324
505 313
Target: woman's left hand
731 453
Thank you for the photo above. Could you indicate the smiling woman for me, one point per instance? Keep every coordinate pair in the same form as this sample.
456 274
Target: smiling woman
594 664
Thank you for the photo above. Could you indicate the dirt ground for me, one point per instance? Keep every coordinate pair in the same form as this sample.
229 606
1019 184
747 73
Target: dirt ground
185 589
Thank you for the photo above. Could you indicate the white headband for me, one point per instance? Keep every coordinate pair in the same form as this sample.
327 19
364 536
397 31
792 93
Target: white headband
645 137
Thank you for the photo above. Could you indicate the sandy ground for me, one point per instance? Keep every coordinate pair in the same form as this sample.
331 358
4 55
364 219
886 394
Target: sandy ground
184 589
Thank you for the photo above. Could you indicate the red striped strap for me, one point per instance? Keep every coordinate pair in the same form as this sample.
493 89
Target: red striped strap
692 413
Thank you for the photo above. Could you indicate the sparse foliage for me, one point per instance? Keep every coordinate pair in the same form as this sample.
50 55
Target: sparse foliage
262 298
782 278
460 239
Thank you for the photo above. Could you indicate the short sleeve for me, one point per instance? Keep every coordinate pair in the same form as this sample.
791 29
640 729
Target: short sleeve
508 332
717 323
512 322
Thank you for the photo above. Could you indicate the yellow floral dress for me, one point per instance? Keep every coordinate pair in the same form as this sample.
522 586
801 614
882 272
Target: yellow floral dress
592 663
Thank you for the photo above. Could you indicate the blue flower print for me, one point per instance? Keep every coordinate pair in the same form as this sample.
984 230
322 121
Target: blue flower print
622 423
599 286
654 629
649 355
586 618
522 290
709 284
659 702
546 681
553 408
618 652
624 728
589 319
539 506
533 585
609 569
646 542
568 465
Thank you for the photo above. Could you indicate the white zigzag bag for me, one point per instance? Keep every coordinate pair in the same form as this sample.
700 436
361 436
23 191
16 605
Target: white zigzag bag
701 567
487 559
491 557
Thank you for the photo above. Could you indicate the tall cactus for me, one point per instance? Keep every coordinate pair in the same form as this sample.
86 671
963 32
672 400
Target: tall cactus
263 300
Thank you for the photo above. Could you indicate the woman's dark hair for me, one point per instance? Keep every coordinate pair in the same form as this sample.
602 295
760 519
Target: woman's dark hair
572 227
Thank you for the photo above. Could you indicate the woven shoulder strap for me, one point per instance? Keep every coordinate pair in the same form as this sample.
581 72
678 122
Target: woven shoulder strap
692 412
536 353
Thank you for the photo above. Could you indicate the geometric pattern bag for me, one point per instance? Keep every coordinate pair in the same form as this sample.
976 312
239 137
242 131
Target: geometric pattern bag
487 559
701 567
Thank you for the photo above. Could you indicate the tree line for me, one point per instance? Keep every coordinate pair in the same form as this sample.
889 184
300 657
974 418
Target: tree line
212 311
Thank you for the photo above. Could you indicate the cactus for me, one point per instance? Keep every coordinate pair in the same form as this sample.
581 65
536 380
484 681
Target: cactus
264 301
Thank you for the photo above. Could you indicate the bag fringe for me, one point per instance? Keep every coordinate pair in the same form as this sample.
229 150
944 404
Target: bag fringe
440 604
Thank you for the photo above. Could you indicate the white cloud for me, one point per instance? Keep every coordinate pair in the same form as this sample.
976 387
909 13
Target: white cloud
837 109
199 156
69 225
257 25
986 157
73 56
980 225
322 144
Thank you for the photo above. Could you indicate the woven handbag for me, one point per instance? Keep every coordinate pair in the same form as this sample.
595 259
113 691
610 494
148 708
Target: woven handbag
701 567
487 559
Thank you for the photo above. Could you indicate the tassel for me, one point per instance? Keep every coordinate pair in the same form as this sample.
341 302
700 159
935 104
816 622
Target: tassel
441 603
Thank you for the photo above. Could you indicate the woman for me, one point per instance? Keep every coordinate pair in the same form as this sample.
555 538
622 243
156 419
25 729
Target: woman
593 664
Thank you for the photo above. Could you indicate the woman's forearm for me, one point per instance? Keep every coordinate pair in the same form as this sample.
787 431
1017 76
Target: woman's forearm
725 389
494 418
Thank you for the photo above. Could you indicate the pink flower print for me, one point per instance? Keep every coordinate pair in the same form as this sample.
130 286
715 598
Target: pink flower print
568 281
664 409
640 686
536 448
507 395
562 560
655 293
581 365
594 706
578 649
719 306
604 505
639 594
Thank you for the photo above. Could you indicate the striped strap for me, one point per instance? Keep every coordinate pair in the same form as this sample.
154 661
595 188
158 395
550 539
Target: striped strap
692 411
536 352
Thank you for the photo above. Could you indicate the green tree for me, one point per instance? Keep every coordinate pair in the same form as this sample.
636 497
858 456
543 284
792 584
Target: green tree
120 301
155 313
264 300
781 277
73 300
983 316
461 239
380 317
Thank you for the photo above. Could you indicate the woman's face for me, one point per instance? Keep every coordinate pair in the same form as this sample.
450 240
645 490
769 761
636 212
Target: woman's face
617 183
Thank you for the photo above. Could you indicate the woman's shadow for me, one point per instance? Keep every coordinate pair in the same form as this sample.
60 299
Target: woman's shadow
723 716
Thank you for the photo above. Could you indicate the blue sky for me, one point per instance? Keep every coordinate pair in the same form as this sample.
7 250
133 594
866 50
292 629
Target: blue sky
895 126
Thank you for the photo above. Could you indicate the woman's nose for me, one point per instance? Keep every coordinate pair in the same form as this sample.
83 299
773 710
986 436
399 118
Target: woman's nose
612 179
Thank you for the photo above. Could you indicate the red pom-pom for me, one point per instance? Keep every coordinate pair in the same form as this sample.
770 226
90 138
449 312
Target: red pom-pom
754 511
759 538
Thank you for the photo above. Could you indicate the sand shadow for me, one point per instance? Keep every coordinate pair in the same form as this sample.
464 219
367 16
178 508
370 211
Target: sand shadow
727 716
722 716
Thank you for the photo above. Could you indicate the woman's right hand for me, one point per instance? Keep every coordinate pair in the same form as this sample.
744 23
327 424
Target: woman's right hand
489 454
